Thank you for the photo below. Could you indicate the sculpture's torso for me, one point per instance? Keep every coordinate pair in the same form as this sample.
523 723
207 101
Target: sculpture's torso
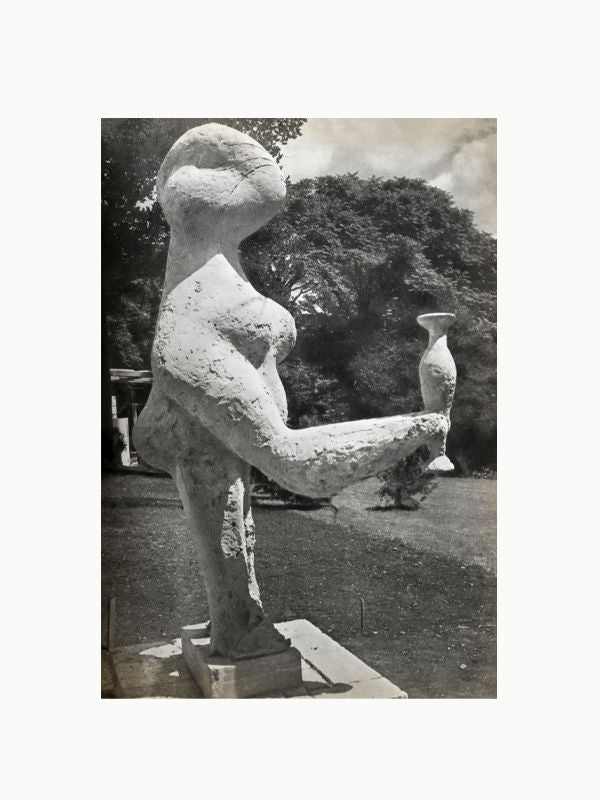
213 303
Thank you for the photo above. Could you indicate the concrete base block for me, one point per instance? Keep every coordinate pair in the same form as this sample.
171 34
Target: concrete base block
251 677
153 669
329 671
315 667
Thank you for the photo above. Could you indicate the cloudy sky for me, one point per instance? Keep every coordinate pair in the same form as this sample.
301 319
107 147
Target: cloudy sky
458 155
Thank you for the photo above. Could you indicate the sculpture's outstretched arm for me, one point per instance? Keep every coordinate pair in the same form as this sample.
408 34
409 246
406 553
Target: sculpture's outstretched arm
215 383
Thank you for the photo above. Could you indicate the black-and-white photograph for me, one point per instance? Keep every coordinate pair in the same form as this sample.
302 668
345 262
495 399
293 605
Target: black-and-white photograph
332 330
298 408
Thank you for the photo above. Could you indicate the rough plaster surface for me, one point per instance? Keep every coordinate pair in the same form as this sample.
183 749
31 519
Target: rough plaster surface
217 405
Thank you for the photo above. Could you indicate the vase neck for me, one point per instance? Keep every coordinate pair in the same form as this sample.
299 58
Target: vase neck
436 336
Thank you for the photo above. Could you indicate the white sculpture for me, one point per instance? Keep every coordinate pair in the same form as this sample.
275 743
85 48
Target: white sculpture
217 405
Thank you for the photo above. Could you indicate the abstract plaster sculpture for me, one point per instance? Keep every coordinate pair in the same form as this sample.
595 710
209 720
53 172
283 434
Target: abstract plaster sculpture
217 405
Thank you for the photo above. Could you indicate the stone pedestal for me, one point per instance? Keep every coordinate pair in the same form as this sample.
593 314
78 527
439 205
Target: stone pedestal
327 670
250 677
314 666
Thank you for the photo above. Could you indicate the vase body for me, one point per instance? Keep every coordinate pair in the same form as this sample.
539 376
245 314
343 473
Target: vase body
437 373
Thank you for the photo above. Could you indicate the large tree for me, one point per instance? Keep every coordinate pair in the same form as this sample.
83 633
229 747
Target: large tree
356 261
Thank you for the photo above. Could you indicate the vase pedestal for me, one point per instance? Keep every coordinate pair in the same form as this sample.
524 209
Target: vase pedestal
441 464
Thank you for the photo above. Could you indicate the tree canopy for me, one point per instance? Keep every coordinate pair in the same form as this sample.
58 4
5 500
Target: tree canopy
355 261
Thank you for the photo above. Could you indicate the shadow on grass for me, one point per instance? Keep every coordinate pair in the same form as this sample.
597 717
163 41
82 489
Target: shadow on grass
334 688
429 619
142 502
285 506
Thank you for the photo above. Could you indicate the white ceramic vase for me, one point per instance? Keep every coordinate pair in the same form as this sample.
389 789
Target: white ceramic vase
437 372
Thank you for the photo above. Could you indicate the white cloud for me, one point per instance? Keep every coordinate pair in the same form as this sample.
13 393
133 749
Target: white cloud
455 154
471 179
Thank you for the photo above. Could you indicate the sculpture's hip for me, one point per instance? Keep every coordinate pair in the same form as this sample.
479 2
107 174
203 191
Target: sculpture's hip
165 435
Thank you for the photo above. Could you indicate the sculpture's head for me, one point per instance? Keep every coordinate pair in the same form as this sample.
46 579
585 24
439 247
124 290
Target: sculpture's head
217 182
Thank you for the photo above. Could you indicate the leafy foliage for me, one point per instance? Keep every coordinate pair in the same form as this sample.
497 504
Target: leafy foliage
406 480
263 485
355 261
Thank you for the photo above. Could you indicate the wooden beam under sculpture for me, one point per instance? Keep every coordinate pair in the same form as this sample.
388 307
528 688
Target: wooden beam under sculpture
217 404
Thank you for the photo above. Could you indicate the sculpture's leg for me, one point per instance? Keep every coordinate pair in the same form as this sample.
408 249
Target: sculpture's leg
218 509
250 534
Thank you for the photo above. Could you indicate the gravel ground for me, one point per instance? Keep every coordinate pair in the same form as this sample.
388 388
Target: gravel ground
430 621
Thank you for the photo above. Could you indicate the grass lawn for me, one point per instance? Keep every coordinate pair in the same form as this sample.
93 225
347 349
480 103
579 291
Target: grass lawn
430 621
458 519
